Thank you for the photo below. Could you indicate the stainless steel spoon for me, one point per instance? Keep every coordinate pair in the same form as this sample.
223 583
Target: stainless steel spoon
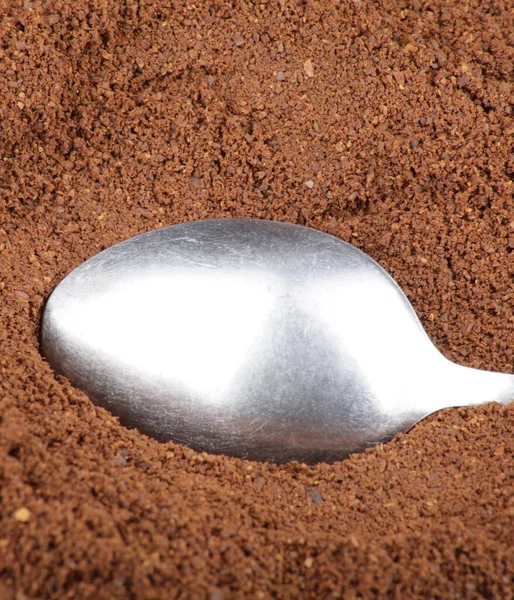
257 339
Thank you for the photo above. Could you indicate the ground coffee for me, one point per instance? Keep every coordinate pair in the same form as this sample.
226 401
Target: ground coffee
389 124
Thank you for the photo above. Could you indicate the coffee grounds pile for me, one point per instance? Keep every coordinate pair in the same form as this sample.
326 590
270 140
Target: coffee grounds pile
389 124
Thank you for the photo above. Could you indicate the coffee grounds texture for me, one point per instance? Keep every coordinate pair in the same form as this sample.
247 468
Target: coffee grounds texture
388 124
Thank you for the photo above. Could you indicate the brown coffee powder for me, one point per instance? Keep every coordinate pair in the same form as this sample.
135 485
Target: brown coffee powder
389 124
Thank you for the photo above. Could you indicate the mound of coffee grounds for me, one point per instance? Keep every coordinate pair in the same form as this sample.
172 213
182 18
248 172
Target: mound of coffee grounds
389 124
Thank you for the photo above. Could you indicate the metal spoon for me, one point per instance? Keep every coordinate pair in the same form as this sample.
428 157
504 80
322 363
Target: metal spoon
257 339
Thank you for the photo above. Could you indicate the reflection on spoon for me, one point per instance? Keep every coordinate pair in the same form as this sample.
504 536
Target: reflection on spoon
257 339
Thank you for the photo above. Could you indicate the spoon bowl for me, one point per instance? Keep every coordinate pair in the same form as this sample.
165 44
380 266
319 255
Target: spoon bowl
257 339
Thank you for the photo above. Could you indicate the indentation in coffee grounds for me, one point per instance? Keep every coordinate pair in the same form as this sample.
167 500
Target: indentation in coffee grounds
389 125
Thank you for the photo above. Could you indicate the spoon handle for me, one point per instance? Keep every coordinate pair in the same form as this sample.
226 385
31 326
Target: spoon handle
468 386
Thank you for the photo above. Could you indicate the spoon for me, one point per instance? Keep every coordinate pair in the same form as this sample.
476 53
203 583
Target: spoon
257 339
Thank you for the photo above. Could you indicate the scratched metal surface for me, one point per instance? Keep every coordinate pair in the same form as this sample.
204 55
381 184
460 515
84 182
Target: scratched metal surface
262 340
